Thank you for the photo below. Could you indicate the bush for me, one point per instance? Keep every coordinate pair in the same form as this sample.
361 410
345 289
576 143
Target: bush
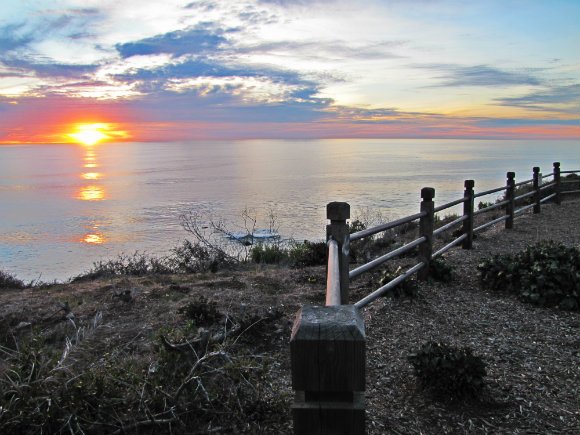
138 264
407 288
308 254
546 274
195 258
448 371
440 221
268 254
440 270
8 281
356 226
201 311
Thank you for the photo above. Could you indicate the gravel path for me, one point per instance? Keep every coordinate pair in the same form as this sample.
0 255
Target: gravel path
532 353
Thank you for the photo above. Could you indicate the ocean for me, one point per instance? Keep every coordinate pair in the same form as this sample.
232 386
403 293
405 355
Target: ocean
63 207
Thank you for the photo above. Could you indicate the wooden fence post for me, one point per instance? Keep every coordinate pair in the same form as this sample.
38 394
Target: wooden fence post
426 230
338 213
510 194
468 211
537 193
328 360
557 185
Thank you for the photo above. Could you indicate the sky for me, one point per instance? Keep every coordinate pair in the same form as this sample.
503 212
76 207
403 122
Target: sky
141 70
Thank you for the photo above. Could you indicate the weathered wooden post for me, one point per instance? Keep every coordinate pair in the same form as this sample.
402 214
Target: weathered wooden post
338 213
537 193
557 183
328 371
510 194
426 230
468 211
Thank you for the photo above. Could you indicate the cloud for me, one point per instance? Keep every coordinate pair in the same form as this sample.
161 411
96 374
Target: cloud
11 38
291 3
479 75
23 67
325 50
559 99
196 40
164 77
167 116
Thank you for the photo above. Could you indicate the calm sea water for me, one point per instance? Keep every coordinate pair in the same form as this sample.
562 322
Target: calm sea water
65 206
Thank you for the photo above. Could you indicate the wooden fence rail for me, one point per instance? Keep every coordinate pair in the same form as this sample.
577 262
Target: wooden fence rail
328 343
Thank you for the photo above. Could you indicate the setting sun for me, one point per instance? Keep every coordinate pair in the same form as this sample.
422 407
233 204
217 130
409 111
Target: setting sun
90 134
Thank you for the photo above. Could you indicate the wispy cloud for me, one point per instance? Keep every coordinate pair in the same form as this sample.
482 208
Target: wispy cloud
559 98
25 67
197 40
479 75
12 37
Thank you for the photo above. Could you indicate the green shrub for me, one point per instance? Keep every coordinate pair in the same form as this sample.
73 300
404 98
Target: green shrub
440 270
201 311
138 264
448 371
407 288
440 221
484 204
356 226
571 186
268 254
9 281
519 191
546 274
195 258
308 254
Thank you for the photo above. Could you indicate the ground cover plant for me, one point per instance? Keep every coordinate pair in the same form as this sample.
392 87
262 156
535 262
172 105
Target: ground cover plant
8 281
448 371
440 270
200 375
546 274
408 288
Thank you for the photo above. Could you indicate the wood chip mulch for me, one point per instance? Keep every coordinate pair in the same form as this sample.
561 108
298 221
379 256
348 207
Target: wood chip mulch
532 353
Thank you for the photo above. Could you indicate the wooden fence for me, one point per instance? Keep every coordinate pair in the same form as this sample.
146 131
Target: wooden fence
327 345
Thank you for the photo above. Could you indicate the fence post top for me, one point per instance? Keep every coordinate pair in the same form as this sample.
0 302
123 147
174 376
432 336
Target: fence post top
469 184
338 211
427 193
556 164
511 175
536 169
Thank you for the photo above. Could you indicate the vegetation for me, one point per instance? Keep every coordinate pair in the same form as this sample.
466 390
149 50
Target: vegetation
546 274
308 254
440 270
194 380
408 288
440 221
484 204
196 258
8 281
448 371
268 254
137 264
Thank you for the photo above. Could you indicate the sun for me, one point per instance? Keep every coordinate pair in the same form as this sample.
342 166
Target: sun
89 134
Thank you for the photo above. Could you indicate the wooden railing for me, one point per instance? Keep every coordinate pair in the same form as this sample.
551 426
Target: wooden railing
328 343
